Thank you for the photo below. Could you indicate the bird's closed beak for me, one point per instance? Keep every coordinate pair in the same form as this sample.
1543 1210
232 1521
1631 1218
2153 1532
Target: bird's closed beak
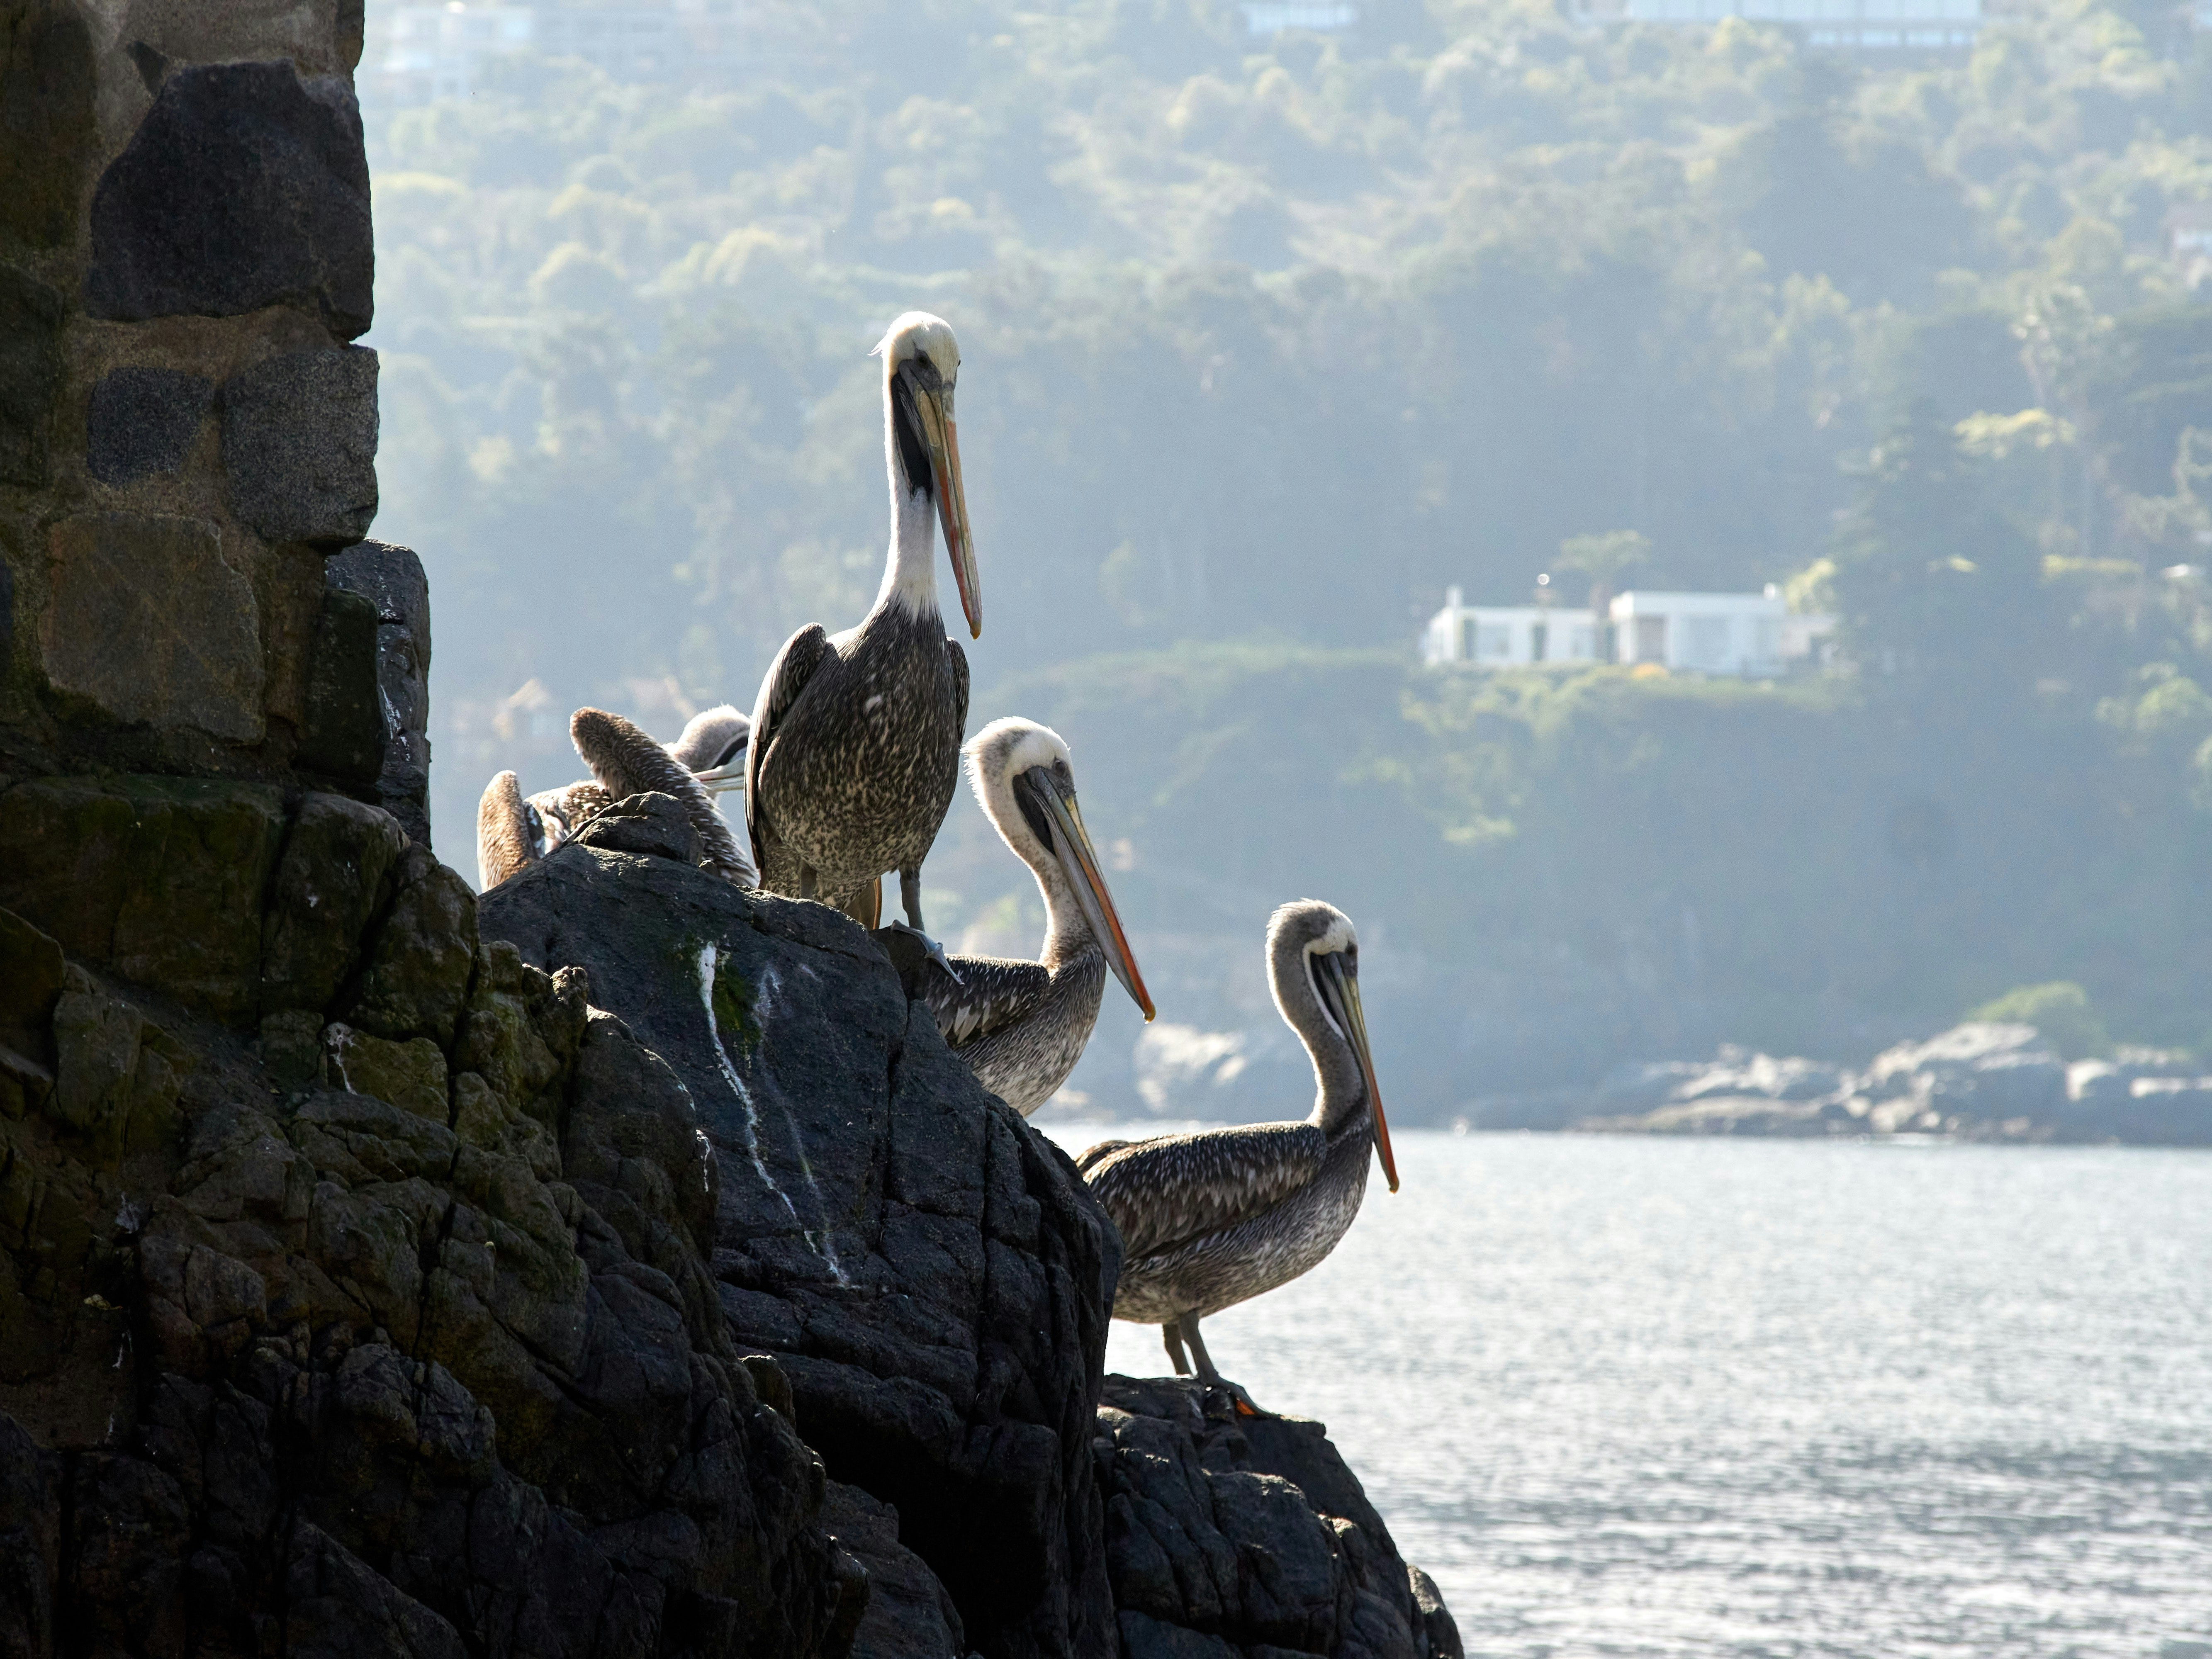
1344 985
1072 843
719 780
943 437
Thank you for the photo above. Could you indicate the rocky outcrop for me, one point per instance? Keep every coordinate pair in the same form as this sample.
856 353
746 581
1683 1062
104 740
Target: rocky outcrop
1229 1535
1983 1080
928 1271
389 1324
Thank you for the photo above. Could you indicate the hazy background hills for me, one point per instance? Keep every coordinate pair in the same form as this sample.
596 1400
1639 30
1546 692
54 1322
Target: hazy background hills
1268 338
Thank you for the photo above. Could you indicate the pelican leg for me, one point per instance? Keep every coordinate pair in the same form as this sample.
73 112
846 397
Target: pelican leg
806 881
1173 1338
1206 1371
910 897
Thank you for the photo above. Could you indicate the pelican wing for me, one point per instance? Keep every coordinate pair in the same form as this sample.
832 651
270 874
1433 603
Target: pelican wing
625 761
958 659
1173 1190
991 994
507 840
787 678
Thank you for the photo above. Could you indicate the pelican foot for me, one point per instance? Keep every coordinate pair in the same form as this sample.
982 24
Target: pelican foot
930 948
1239 1403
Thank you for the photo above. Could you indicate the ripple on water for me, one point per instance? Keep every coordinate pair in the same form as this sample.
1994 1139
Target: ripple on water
1641 1397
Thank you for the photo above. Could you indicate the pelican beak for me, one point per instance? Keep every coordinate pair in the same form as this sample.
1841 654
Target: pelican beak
943 438
1072 843
1345 984
719 780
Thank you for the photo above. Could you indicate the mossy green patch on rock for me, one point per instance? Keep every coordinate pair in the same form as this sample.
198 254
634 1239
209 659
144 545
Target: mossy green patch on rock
160 879
410 1075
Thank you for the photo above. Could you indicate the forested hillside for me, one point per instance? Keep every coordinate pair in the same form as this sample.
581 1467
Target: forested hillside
1267 340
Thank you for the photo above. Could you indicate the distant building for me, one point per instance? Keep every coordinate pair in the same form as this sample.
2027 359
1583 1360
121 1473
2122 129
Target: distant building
1876 26
1507 635
1754 636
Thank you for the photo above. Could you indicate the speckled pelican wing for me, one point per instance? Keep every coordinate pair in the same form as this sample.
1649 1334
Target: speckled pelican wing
625 761
1171 1190
992 993
786 678
508 835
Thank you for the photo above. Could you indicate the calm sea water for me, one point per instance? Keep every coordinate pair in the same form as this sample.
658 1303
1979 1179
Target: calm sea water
1656 1397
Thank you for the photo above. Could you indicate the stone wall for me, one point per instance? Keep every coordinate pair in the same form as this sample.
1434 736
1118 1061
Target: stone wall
186 429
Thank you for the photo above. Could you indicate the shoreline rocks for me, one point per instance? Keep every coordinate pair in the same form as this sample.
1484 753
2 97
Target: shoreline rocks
1981 1080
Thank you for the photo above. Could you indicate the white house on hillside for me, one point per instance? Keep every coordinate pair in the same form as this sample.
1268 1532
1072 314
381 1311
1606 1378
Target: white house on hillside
1507 635
1750 635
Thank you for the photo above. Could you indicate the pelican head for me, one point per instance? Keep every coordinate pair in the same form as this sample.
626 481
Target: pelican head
713 746
1022 778
921 361
1313 958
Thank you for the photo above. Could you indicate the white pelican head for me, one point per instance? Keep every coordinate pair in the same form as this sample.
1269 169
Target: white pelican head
922 363
1022 778
1313 961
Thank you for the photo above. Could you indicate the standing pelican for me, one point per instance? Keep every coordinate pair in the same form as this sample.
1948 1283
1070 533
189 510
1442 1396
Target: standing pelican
514 832
1212 1219
856 744
1021 1026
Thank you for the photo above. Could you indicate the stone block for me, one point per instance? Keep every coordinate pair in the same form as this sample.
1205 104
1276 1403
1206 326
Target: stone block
416 978
409 1075
143 422
299 445
334 869
30 367
30 979
245 186
160 878
47 85
390 578
344 733
147 622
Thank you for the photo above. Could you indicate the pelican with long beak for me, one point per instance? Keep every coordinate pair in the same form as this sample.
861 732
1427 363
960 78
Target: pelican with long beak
1021 1026
855 742
1212 1219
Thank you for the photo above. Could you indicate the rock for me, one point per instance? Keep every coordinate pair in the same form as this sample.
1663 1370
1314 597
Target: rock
1229 1534
416 978
143 422
299 445
244 186
343 732
410 1075
146 622
48 83
160 879
1983 1068
390 578
929 1272
30 985
7 621
651 825
331 879
2163 1111
910 1614
30 363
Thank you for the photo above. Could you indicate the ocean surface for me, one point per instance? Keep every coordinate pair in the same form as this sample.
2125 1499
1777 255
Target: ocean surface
1740 1397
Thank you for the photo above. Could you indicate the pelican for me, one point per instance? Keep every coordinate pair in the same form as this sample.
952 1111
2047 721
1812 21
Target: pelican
513 832
855 742
1021 1026
713 747
1212 1219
